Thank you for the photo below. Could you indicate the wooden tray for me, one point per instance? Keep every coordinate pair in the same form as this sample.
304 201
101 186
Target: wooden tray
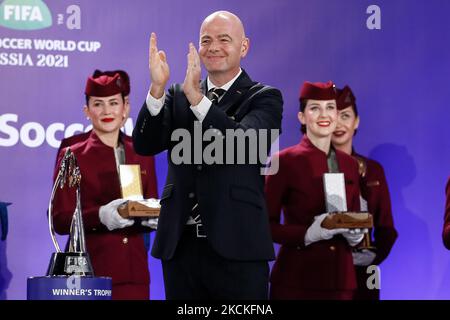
140 208
348 220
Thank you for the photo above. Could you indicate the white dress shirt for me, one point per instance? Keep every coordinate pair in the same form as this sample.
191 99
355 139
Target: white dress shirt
200 111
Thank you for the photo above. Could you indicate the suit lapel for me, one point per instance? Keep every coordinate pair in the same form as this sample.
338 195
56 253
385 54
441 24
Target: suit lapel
239 88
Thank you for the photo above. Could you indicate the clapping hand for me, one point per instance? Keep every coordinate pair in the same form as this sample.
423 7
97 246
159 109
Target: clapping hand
191 85
159 68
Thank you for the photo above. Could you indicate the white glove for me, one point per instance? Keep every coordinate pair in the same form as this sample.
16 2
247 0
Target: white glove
316 233
150 222
111 218
364 257
354 236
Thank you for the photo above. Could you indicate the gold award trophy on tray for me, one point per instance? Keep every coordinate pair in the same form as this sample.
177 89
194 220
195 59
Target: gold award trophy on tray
135 205
336 205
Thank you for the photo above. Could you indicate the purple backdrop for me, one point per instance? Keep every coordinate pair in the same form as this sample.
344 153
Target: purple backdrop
399 74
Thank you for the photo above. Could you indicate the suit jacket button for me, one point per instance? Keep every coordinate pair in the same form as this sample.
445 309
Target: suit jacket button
332 248
191 195
125 240
210 126
199 167
298 248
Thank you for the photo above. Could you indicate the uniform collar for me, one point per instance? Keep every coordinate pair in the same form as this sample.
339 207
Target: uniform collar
306 143
95 140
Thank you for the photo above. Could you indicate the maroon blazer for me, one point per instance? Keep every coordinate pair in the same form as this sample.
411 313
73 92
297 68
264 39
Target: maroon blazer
119 254
374 190
69 141
446 231
297 190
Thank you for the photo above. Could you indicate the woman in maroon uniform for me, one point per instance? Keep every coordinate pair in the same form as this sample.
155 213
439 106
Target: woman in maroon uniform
115 245
374 192
313 262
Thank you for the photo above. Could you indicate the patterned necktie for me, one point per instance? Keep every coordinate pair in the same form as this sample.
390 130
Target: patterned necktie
215 94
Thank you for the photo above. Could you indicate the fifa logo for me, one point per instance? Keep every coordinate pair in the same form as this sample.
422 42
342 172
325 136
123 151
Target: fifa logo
25 15
35 15
76 265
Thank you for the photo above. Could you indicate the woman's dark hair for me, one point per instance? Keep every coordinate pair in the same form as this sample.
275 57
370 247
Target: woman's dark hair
302 109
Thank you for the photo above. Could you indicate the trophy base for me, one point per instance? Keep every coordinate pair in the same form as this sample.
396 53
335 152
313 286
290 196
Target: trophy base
69 288
348 220
140 209
70 263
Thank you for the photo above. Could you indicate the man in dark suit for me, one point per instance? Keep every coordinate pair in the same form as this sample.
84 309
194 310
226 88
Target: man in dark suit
213 234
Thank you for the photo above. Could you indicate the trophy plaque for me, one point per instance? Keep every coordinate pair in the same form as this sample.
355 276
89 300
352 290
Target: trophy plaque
135 205
336 205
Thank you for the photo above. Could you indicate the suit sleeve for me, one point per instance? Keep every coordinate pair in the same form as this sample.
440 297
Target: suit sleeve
384 231
276 190
151 134
446 231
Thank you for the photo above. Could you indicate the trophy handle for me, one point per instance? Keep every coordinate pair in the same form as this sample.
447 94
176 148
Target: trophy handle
50 212
68 172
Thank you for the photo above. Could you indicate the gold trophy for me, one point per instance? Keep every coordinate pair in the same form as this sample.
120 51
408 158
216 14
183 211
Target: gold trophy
135 205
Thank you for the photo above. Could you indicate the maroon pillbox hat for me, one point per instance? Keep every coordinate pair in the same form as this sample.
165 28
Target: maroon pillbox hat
318 91
345 98
107 83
